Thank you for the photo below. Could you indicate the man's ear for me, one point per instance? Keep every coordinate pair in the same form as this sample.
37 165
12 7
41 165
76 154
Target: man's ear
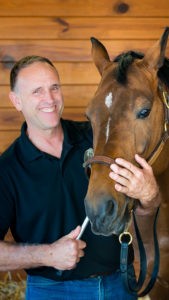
15 99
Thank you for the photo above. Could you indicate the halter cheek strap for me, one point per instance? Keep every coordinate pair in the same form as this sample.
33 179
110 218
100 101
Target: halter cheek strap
159 147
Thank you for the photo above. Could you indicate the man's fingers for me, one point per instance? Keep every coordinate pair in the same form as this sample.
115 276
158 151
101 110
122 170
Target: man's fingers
121 189
81 253
119 179
126 165
142 162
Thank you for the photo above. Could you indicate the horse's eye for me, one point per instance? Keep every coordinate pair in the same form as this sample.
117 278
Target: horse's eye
144 113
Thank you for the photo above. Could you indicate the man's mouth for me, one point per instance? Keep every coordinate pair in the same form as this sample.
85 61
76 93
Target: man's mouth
48 109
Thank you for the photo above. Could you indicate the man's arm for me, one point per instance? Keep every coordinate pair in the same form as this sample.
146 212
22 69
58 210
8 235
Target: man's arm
63 254
137 183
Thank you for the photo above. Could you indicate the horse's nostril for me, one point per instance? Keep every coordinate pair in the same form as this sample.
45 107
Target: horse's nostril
109 207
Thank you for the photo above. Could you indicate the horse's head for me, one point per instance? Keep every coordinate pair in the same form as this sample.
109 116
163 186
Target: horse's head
127 117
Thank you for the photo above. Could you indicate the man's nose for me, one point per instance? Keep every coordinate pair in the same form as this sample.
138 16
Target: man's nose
48 95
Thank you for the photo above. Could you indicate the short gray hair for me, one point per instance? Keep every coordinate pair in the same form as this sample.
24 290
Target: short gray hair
23 63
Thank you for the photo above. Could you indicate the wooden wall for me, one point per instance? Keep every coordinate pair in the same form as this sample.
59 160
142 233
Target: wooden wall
61 30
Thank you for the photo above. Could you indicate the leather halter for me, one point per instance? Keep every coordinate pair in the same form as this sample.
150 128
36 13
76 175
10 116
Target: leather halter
99 159
157 150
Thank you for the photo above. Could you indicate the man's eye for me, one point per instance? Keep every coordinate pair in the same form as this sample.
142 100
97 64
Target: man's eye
56 87
36 91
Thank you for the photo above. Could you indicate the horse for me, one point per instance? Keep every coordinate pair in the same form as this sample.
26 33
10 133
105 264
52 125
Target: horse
129 114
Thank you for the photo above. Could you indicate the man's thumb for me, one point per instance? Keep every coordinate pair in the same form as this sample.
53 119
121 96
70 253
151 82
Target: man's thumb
74 233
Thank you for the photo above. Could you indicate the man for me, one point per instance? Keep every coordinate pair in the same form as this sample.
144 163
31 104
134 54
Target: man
42 187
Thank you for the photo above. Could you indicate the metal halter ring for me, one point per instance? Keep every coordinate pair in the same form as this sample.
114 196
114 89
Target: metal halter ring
166 99
126 235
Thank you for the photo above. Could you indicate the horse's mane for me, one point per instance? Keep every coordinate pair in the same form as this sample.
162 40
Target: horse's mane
125 60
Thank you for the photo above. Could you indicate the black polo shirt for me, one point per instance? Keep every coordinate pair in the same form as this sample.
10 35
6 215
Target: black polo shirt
42 199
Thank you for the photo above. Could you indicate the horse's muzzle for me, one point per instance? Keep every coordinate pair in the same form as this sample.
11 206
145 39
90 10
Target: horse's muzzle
107 218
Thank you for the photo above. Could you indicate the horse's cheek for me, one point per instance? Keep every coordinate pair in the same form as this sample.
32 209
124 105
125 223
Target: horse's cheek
141 139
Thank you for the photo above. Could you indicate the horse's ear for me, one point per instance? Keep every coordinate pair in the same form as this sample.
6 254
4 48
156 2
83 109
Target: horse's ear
154 57
100 55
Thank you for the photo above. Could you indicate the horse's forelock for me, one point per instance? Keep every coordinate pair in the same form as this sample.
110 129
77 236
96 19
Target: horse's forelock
124 60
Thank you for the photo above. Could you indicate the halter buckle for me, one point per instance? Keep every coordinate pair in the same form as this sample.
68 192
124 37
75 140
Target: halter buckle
125 237
89 153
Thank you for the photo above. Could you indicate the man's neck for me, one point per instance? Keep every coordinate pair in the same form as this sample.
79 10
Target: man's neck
49 141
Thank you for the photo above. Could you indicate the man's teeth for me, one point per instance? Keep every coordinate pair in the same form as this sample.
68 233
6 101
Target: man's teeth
48 109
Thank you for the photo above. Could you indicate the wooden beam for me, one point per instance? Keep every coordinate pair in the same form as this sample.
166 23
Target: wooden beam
74 51
68 28
105 8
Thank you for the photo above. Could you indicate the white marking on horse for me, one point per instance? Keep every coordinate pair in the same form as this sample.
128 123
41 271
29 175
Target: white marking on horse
108 100
108 129
108 103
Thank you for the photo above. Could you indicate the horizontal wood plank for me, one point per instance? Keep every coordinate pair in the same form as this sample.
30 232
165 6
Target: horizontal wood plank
84 8
76 51
81 28
6 138
74 96
70 73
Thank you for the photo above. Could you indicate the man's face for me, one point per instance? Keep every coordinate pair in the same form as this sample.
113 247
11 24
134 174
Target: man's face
38 95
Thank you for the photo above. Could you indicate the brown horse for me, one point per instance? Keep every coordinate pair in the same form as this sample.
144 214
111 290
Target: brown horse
129 114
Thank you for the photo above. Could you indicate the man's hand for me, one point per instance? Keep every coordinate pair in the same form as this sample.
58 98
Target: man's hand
137 183
66 252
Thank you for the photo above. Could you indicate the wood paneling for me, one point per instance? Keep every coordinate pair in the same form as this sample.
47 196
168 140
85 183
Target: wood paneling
61 31
73 51
82 28
6 137
80 8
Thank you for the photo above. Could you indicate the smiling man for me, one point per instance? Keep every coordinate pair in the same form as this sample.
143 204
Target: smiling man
37 93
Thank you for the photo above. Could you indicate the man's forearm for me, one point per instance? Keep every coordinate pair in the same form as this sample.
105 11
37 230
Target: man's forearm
21 256
151 206
63 254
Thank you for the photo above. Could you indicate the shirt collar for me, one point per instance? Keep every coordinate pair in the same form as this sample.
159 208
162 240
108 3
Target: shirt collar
30 152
